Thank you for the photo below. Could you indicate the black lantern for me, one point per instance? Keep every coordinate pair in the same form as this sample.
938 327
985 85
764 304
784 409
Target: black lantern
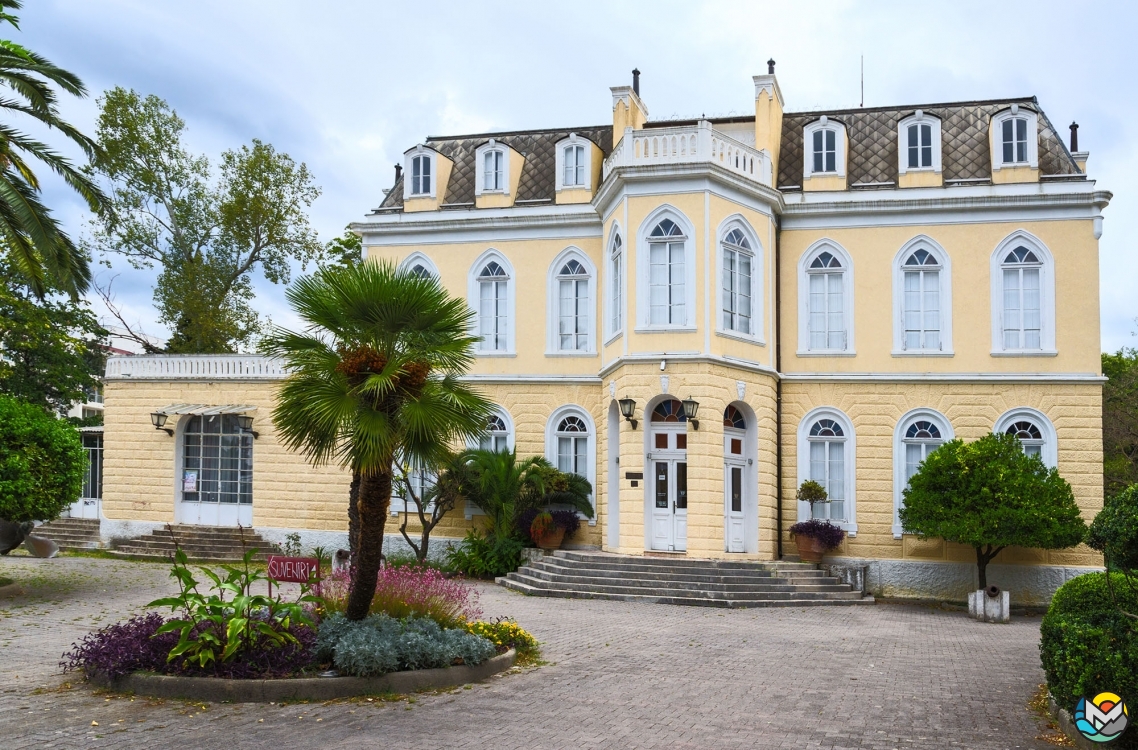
627 409
158 419
691 411
245 422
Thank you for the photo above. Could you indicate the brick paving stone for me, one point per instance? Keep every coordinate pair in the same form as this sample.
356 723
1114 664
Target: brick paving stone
620 675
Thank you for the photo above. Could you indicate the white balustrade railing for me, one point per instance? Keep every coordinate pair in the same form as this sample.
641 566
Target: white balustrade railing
690 144
194 366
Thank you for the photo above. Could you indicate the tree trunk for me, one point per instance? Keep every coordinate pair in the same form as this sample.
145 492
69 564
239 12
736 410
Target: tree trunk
354 517
373 504
982 564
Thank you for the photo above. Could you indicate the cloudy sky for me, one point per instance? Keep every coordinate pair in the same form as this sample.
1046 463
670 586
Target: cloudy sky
347 86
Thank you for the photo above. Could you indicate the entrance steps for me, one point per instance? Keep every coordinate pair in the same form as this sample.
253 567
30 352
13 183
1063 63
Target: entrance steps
71 533
704 583
203 543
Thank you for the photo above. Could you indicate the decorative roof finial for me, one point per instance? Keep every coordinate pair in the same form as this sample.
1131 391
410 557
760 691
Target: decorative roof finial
770 66
636 81
1074 137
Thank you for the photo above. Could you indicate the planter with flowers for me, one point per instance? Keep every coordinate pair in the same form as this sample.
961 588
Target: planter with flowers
815 537
549 528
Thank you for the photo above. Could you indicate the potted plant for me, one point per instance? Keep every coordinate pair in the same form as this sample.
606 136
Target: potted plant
544 532
815 537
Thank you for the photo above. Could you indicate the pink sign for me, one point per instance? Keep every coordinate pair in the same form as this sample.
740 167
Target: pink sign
293 569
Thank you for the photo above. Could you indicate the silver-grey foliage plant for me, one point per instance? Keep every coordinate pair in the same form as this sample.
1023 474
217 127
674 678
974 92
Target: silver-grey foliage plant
379 644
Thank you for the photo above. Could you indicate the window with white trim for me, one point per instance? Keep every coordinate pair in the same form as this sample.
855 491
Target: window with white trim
738 289
493 171
826 304
1029 435
824 148
827 443
918 434
220 455
1015 138
421 175
919 143
421 482
919 148
493 311
573 446
667 275
920 311
573 174
1022 319
573 157
418 264
497 435
421 271
1034 430
573 307
616 285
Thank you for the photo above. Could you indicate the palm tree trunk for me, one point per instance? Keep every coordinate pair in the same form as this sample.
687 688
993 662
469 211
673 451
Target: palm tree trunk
373 503
354 517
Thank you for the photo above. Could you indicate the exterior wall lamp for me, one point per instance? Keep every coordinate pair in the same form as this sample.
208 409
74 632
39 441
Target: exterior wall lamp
245 422
158 419
691 411
627 409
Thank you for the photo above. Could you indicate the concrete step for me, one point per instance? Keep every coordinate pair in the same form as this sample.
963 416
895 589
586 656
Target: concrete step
71 533
675 591
524 588
553 565
206 543
588 582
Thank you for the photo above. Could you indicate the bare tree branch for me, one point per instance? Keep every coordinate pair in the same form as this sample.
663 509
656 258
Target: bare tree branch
105 293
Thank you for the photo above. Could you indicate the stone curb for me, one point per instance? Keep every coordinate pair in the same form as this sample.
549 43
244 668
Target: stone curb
12 589
219 690
1067 726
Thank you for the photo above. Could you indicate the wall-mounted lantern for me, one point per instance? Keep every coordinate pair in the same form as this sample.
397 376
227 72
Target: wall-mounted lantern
691 411
158 419
627 409
245 422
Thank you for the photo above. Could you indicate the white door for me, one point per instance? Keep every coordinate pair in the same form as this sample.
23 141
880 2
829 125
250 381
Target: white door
87 506
734 490
668 489
216 482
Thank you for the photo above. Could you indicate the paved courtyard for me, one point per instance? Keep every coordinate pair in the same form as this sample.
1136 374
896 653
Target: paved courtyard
619 675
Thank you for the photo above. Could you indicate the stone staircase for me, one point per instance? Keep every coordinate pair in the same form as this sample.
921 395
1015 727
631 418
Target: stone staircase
704 583
71 533
204 543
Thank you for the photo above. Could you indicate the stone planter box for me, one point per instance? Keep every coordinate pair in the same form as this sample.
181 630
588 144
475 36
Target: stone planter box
986 608
220 690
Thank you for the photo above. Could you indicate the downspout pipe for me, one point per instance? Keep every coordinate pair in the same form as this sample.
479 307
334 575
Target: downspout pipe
778 384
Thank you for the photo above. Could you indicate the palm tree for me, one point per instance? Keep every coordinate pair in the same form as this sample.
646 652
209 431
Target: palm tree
375 376
39 248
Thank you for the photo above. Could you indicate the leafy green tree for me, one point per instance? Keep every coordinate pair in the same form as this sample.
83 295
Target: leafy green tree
1114 532
35 243
344 250
430 504
51 348
42 462
375 376
207 236
990 495
1120 421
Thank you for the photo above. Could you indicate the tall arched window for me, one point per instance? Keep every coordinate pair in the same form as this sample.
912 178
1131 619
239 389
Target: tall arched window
1022 309
919 433
827 455
1035 433
667 275
492 292
573 307
616 285
826 303
920 311
738 260
570 446
497 435
421 175
419 265
574 166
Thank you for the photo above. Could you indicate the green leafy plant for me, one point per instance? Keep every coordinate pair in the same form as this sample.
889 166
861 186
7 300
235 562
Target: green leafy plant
505 633
812 492
291 546
990 495
1114 532
215 629
480 556
42 462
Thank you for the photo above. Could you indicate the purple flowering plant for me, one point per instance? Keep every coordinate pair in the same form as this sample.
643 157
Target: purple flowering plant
828 535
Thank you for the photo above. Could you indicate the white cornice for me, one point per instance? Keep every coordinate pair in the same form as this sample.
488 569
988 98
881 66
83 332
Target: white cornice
943 377
769 84
537 379
470 225
627 95
737 188
654 358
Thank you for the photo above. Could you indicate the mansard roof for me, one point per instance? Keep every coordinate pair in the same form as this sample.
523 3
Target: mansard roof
537 182
872 135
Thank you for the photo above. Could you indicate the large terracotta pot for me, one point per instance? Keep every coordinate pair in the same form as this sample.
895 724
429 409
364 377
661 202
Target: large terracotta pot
552 540
809 548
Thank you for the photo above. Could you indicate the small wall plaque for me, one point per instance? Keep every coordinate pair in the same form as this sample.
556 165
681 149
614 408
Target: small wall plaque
633 475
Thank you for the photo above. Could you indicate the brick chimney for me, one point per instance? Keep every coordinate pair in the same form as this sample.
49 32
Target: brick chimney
768 115
628 111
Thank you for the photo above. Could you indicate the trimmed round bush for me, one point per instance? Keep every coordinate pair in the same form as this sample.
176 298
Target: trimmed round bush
1088 646
379 644
42 462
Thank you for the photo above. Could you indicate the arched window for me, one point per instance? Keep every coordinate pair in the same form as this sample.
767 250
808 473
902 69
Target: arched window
573 157
826 301
573 307
919 433
218 454
569 443
825 145
574 166
421 175
922 294
493 171
738 289
419 265
497 435
669 410
616 285
734 418
491 295
827 443
1023 297
1015 138
667 275
1035 433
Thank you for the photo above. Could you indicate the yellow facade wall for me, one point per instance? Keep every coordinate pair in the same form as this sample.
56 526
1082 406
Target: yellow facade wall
921 178
443 168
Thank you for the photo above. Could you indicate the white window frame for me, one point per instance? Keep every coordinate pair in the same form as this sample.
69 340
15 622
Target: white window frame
922 242
490 147
419 259
1049 451
1046 295
616 284
643 271
899 481
473 296
470 510
551 438
400 502
997 138
553 312
849 460
825 245
824 123
586 163
920 117
409 157
757 268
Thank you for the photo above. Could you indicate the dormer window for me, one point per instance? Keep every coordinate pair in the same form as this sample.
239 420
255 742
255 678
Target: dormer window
492 171
574 156
918 143
421 175
574 166
492 162
825 152
1015 138
420 172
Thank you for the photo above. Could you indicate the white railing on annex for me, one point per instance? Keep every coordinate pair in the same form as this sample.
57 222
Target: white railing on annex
689 144
194 366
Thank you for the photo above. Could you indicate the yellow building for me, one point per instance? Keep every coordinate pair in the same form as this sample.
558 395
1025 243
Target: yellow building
700 315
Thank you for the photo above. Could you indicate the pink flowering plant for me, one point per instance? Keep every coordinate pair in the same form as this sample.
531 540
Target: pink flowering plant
410 591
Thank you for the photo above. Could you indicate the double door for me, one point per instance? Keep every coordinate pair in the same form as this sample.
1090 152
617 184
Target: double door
669 493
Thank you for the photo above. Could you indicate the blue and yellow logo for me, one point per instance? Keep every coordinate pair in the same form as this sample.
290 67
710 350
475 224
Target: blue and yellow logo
1103 718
